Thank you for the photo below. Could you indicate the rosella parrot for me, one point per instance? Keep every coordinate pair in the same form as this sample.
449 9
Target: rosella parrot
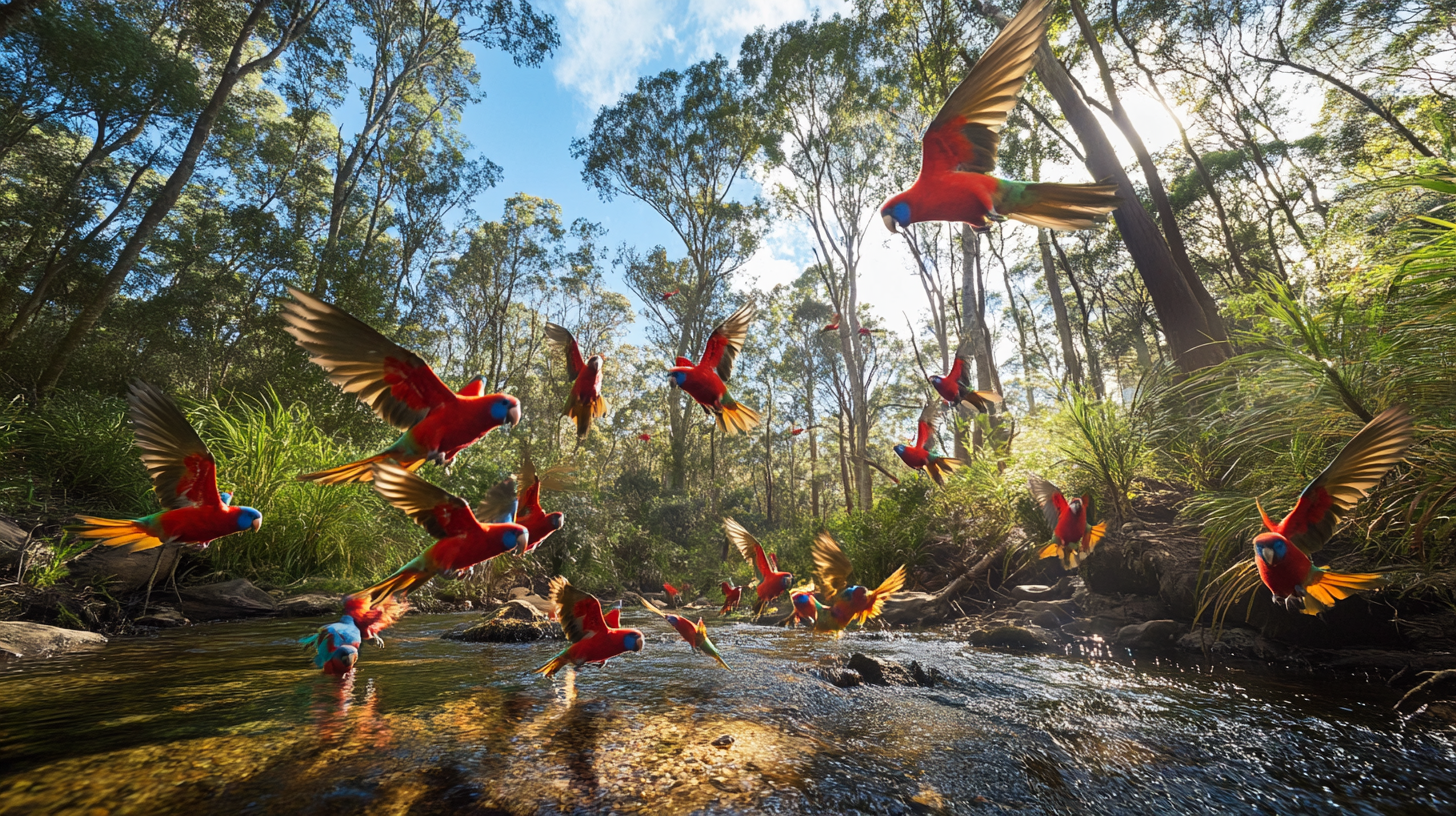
373 619
335 646
1282 553
731 597
955 386
668 295
959 149
705 382
848 604
922 456
674 597
696 635
185 477
645 437
593 639
806 607
772 583
863 332
585 402
1072 537
527 510
832 325
461 540
398 386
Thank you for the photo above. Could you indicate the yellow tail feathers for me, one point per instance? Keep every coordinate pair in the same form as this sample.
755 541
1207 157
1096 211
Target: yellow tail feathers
555 664
583 413
1328 588
360 471
399 583
116 533
736 417
941 466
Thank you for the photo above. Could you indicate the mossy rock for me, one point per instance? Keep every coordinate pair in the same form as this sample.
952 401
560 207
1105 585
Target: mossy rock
507 630
1010 637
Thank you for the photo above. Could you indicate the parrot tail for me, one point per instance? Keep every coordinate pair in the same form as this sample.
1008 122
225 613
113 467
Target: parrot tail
882 593
360 471
1056 206
736 417
1329 587
1052 550
941 466
980 400
582 413
556 664
116 533
401 582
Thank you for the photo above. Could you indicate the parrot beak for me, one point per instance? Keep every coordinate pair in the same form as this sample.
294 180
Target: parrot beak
889 221
257 524
513 417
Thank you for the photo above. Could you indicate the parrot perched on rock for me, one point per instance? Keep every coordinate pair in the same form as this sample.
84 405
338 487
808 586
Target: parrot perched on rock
585 402
922 456
1282 552
955 386
1072 537
462 541
959 149
593 639
674 597
398 386
335 646
731 597
528 512
705 381
185 478
771 583
696 634
849 605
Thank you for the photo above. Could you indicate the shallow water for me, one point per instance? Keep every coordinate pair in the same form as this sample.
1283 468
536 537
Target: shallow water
231 719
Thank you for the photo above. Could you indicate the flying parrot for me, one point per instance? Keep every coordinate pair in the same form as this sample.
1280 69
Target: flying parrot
335 646
922 455
398 386
955 386
593 640
668 295
832 325
772 583
848 605
1282 552
461 540
645 437
959 149
704 382
373 619
185 478
696 635
731 596
527 510
1072 537
585 401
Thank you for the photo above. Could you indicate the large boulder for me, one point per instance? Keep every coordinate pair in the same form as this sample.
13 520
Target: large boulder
228 600
121 571
1012 637
507 630
13 541
24 639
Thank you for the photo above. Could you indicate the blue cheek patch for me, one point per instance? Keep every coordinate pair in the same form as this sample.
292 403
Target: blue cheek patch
899 449
508 540
679 377
499 409
901 213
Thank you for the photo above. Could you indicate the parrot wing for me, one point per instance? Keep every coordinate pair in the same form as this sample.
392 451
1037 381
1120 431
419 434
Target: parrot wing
1049 497
960 370
748 547
561 340
474 388
528 503
831 565
440 512
882 593
500 504
925 427
181 467
1358 467
966 132
726 341
393 381
580 612
614 616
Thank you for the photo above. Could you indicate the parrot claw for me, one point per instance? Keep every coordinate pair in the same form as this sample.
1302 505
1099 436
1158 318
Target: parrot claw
377 641
995 216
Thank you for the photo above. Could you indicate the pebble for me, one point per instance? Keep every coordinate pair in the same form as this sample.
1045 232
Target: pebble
724 741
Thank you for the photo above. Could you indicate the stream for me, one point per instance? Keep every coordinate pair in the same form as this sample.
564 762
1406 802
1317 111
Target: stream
233 719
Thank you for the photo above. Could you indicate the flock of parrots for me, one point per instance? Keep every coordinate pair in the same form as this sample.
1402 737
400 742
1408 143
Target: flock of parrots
959 149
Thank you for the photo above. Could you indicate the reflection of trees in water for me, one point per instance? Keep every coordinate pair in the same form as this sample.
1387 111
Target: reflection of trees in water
577 735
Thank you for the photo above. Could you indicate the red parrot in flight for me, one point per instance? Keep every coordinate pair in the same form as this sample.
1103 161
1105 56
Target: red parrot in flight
461 541
955 386
1072 537
398 386
668 295
645 437
771 583
832 325
593 640
704 382
696 635
807 608
959 149
922 456
731 597
185 477
1282 552
674 597
848 604
527 510
585 402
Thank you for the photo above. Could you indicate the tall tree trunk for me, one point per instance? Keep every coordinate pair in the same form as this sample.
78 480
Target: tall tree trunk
844 469
233 72
1094 363
1059 309
1020 342
813 442
973 317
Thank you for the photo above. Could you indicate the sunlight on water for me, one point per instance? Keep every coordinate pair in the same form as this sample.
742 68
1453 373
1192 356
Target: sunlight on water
229 719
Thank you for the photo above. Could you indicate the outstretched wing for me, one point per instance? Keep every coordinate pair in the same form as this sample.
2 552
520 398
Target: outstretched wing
181 466
580 612
1359 466
882 593
967 131
726 341
925 427
960 370
393 381
831 565
500 504
440 512
561 340
748 547
1049 497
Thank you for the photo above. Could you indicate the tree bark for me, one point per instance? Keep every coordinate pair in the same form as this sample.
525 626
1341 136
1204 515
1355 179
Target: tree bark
1070 361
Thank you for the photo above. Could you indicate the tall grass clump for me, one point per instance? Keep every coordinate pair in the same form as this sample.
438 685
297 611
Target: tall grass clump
72 452
1109 445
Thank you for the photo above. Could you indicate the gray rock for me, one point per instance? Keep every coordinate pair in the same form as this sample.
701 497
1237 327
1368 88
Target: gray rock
25 639
231 599
880 672
1012 637
121 571
518 592
13 541
518 609
309 605
507 630
701 601
843 678
162 617
1047 619
1154 634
